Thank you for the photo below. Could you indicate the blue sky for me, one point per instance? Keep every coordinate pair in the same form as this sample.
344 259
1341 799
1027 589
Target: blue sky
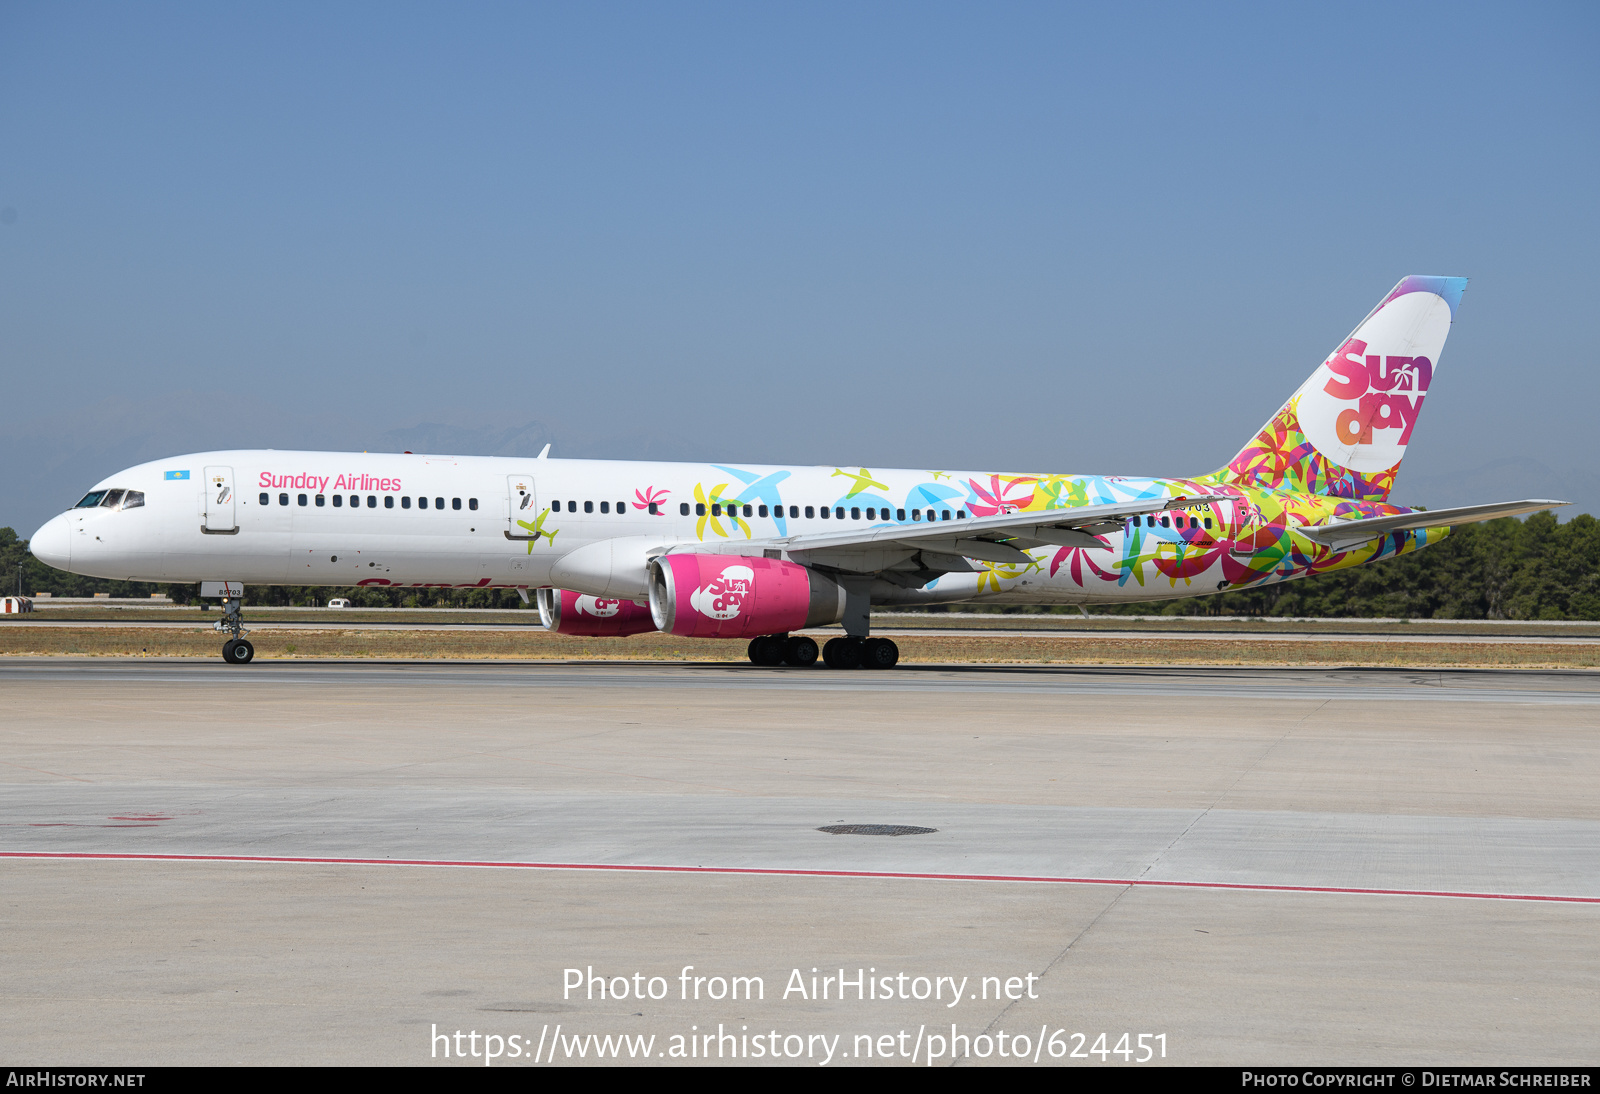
1106 238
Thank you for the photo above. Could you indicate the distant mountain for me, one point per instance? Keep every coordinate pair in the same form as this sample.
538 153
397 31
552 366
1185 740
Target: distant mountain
1503 480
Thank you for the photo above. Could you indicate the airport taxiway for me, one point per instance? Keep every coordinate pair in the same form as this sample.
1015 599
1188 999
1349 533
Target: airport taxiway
320 862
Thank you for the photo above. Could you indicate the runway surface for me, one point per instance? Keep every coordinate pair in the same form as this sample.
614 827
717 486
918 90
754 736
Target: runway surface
1276 632
211 863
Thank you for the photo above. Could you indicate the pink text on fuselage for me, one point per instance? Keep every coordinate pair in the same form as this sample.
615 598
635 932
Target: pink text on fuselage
305 481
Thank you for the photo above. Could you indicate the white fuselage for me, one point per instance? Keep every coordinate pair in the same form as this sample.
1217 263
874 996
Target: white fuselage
341 519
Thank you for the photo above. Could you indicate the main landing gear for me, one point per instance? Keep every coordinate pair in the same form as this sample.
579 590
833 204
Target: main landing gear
850 652
839 653
236 650
783 649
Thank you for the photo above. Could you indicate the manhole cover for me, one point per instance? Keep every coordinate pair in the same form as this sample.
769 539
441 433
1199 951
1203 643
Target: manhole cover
875 830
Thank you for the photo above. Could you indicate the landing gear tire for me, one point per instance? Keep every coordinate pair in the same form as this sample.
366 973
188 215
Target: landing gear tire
767 649
800 651
879 653
239 651
842 653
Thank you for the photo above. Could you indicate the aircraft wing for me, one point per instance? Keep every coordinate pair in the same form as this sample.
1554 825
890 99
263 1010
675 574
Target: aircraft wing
944 544
1344 534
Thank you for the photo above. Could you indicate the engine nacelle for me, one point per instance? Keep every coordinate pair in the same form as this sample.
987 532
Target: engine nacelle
567 612
735 596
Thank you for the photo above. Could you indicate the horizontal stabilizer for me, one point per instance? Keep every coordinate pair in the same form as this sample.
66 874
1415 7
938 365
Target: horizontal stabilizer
1348 533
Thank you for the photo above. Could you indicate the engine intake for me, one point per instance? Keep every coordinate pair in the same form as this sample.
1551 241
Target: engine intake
735 596
567 612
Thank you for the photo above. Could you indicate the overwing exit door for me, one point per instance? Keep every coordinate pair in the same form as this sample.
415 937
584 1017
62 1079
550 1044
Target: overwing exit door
220 519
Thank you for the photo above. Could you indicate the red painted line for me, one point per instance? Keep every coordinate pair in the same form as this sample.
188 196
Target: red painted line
775 872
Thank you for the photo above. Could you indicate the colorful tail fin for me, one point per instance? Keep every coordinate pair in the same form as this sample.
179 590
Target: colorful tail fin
1345 431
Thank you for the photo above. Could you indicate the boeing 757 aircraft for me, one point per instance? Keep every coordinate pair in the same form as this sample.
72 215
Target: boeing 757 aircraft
739 551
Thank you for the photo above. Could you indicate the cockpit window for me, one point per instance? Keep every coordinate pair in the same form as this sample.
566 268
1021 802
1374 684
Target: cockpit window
133 500
112 499
90 500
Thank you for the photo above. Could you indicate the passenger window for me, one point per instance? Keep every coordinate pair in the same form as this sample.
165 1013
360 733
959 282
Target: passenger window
438 503
605 507
683 508
266 499
355 501
588 507
622 507
572 507
716 508
134 499
1149 522
388 501
455 503
762 511
699 508
855 514
747 511
794 511
1208 522
321 501
301 499
338 501
654 510
472 503
838 512
872 514
899 514
809 512
824 512
556 506
422 503
405 503
916 514
1164 522
283 499
947 515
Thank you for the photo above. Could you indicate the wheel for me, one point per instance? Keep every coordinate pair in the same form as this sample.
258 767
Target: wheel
879 653
767 649
800 651
753 650
227 649
842 653
238 652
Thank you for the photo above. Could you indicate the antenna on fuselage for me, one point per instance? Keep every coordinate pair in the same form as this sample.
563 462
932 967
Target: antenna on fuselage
543 452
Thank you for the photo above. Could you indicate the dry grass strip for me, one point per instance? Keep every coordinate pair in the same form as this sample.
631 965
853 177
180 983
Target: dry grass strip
537 644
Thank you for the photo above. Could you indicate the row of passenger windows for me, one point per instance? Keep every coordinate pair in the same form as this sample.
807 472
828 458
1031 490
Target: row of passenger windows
372 501
1150 522
605 507
812 512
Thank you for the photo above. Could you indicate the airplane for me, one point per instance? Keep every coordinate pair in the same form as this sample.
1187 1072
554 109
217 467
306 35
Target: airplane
757 553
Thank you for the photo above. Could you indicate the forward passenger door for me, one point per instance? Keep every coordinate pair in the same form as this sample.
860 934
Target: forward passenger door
220 518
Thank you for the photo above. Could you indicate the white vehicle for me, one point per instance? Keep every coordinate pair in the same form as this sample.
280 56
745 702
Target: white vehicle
740 551
339 602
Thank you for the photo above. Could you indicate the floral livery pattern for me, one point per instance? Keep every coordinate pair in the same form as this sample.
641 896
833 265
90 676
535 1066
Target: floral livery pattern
1281 457
1251 538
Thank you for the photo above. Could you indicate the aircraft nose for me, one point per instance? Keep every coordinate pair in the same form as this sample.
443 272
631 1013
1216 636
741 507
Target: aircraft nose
52 544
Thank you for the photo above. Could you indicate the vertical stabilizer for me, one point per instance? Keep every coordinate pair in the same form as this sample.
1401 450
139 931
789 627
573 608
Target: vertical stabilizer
1345 431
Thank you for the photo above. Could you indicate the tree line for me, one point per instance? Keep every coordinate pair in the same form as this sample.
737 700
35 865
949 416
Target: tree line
1500 569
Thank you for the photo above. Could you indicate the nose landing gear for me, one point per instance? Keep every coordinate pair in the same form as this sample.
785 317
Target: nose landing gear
236 650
